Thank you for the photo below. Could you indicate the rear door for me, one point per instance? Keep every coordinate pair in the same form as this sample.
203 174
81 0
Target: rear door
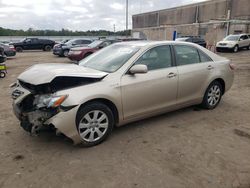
194 70
36 44
244 41
84 42
153 91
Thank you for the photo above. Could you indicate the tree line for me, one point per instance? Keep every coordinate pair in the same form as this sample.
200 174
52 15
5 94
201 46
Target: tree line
62 32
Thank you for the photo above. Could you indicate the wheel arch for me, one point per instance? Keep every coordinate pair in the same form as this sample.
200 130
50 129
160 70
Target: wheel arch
222 82
87 54
19 46
108 103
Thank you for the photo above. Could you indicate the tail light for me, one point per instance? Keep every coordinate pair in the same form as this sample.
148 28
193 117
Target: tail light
12 48
232 66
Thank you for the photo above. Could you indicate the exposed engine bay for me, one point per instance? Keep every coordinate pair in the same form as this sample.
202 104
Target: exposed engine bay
35 104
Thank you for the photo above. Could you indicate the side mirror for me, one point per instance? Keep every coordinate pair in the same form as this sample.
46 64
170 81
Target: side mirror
241 39
138 69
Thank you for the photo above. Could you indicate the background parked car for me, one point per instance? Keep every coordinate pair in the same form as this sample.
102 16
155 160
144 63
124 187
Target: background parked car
234 43
5 42
64 48
9 50
193 39
129 39
2 56
79 53
33 44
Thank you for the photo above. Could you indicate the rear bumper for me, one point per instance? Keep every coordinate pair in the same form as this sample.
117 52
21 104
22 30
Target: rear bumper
10 53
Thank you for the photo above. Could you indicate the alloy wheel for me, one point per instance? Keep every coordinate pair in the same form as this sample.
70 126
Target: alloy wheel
93 126
214 95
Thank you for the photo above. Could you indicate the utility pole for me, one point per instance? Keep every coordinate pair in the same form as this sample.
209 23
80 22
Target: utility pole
114 28
126 15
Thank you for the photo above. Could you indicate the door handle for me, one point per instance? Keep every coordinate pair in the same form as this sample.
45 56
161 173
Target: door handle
172 75
210 67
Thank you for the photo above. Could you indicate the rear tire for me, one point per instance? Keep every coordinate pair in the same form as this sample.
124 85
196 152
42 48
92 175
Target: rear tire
212 95
19 49
95 122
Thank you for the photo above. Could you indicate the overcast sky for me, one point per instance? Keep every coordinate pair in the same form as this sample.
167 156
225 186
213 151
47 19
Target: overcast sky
76 14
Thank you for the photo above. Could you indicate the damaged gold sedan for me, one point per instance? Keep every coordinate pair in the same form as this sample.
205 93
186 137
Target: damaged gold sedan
122 83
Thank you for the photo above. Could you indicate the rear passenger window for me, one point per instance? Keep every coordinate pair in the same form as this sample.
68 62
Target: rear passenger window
77 42
86 41
204 57
186 55
156 58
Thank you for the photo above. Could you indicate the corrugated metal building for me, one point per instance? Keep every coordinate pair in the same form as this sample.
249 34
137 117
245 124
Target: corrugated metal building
212 20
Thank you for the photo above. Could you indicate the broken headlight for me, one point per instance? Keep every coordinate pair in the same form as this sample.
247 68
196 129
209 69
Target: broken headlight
49 101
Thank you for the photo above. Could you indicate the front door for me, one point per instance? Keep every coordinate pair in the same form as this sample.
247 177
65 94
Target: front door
152 91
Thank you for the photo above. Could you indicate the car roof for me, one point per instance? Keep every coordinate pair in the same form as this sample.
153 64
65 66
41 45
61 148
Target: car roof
154 43
238 34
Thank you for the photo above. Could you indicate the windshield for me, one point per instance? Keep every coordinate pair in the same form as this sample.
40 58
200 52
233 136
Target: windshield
64 41
95 44
22 40
232 38
70 42
111 58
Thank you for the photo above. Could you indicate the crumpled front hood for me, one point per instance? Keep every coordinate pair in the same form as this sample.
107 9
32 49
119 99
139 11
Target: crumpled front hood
45 73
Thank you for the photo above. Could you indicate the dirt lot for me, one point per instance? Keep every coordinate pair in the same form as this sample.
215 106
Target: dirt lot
188 148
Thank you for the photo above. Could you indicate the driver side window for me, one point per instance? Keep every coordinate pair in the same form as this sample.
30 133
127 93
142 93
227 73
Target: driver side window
28 40
156 58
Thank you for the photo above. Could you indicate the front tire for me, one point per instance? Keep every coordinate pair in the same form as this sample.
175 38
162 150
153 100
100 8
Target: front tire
95 122
86 55
212 95
236 49
218 50
65 53
2 74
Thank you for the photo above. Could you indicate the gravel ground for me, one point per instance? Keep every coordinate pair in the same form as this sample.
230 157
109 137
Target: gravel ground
187 148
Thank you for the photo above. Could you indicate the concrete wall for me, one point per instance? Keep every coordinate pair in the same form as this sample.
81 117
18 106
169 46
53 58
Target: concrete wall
206 19
241 9
206 11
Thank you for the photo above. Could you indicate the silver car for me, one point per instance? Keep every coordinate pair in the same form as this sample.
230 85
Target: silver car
233 43
122 83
